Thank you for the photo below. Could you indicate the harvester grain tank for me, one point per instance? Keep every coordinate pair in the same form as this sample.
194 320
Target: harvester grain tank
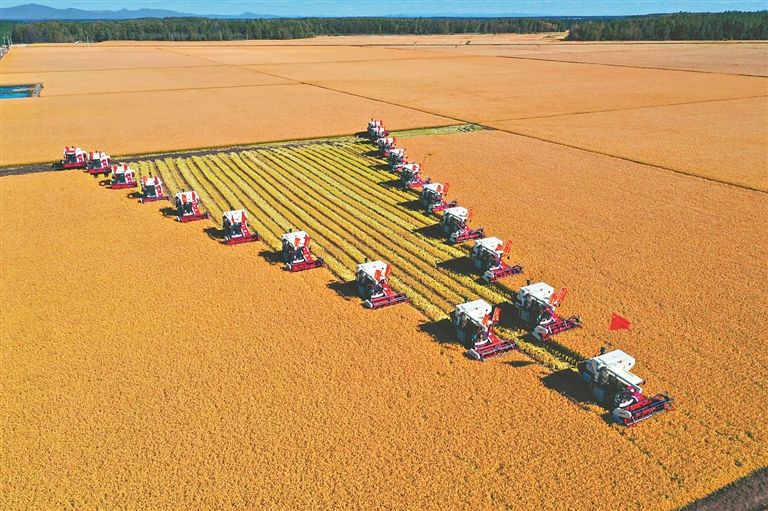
433 197
474 323
455 223
236 228
488 256
123 176
74 158
373 285
297 253
152 189
536 304
188 207
613 385
99 163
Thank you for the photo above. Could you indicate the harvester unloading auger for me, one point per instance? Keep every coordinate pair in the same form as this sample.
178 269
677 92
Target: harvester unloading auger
474 323
613 385
455 223
188 207
433 197
536 304
152 189
297 254
373 285
123 176
488 256
236 228
74 158
99 163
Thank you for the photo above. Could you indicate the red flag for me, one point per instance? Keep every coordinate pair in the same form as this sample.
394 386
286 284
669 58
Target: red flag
619 323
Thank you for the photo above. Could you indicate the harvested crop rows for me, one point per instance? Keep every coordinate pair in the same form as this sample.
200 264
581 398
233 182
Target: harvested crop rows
351 207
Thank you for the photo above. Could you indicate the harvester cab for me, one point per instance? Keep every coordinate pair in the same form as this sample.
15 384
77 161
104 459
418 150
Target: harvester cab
433 197
376 129
188 207
152 189
98 163
410 176
123 176
536 304
488 256
373 285
613 385
74 158
396 158
385 144
297 254
236 228
474 323
455 223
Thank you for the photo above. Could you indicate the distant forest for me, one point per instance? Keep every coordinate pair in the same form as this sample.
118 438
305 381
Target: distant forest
682 26
674 27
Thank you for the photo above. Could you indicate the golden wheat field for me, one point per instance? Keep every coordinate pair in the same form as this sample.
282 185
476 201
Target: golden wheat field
147 366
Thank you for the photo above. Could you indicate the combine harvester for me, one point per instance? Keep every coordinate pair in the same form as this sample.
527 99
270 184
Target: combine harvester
99 163
376 129
123 176
373 285
410 176
536 304
395 158
74 158
433 197
152 189
236 229
488 256
455 224
613 385
297 254
474 323
385 145
188 207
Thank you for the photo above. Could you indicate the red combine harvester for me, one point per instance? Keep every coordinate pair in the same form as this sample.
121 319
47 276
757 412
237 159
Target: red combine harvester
385 145
613 385
536 303
455 224
376 129
373 285
297 254
395 158
188 207
236 229
488 256
99 164
433 197
123 176
410 176
152 189
474 323
74 158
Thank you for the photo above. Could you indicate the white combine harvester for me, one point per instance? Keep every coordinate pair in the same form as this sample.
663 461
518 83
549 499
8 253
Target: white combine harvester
376 129
613 385
536 304
410 176
385 145
396 158
455 223
123 176
488 256
74 158
188 207
99 163
474 323
296 252
433 197
236 228
373 285
152 189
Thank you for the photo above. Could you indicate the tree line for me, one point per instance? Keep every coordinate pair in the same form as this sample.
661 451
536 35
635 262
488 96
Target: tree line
675 27
204 29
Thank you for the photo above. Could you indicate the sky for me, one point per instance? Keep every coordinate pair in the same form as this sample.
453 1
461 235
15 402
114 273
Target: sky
411 7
